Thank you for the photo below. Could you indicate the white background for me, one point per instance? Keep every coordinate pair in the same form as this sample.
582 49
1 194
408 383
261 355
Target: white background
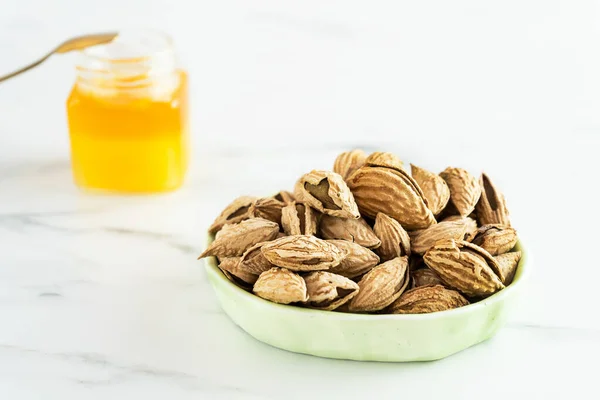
511 87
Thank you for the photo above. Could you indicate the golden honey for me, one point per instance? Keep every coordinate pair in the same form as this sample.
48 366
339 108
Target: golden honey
128 121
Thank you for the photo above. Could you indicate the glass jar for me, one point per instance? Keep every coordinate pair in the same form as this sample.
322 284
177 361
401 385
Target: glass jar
128 116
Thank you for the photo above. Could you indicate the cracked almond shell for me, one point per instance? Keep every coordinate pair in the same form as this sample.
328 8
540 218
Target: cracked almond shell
237 211
391 192
267 208
284 196
299 219
326 192
491 207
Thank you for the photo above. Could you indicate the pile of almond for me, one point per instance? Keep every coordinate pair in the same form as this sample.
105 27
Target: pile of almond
371 238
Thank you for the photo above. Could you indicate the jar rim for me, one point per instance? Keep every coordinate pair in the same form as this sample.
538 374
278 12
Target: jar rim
151 43
137 62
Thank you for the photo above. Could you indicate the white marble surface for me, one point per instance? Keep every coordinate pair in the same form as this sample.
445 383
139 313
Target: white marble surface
101 296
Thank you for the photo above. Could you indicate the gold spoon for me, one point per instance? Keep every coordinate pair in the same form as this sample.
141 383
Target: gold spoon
76 43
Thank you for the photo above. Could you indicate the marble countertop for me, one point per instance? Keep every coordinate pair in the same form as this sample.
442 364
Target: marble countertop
102 297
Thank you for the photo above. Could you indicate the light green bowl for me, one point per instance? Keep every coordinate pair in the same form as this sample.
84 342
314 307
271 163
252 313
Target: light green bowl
393 338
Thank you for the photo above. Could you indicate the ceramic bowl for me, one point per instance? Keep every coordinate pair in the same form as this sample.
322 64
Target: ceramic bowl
392 338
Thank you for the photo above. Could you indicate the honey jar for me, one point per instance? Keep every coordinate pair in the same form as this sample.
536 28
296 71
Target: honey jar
128 116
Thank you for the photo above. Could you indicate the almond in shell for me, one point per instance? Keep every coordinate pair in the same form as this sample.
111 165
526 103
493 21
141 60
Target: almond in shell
299 219
435 190
463 228
464 189
508 263
328 291
326 192
284 196
234 239
491 208
395 241
353 230
253 261
267 208
381 286
235 212
303 253
232 265
391 192
496 239
470 221
358 261
348 162
465 267
427 299
282 286
425 277
384 159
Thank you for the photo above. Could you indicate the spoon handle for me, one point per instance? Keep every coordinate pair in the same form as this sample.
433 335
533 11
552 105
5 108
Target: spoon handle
76 43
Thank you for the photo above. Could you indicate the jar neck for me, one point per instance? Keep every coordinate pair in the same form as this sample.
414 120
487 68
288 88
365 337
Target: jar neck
140 65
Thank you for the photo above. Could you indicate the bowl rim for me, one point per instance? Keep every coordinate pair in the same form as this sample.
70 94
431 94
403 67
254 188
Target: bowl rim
521 274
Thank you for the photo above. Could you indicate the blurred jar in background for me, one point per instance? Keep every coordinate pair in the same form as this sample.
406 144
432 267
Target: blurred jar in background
128 116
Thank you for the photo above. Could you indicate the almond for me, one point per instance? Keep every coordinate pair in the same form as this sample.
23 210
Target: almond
464 189
232 265
353 230
495 239
464 267
427 299
425 277
299 219
394 239
327 291
391 192
281 286
326 192
435 190
508 263
253 260
348 162
235 212
284 196
460 229
358 261
491 208
267 208
382 285
303 253
383 159
234 239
